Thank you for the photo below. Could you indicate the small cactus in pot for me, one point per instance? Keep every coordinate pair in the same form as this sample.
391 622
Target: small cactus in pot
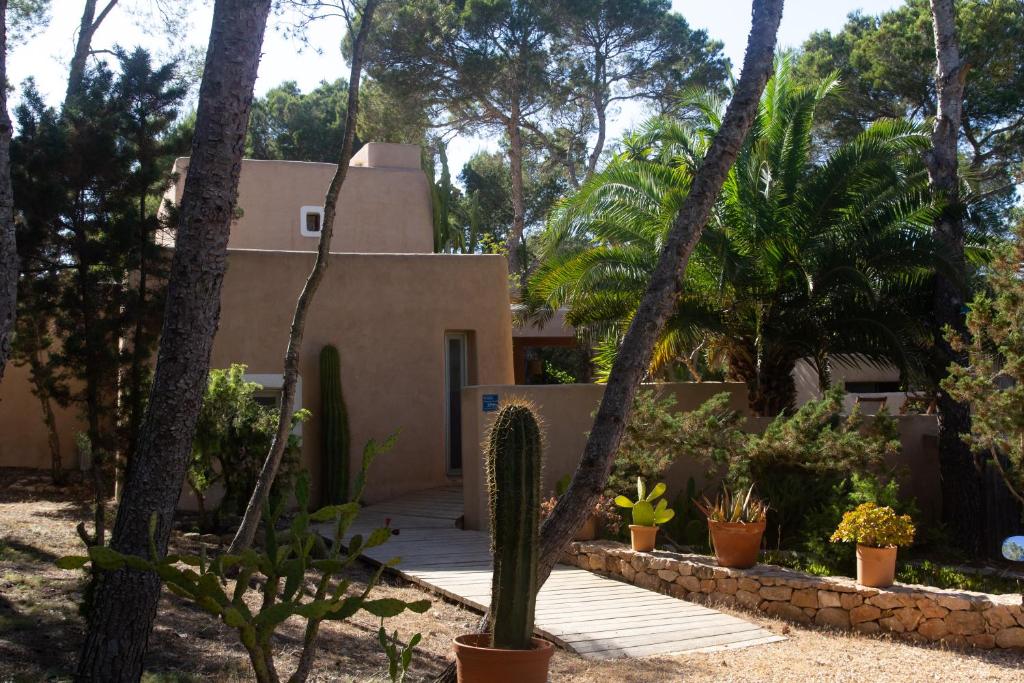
510 652
647 516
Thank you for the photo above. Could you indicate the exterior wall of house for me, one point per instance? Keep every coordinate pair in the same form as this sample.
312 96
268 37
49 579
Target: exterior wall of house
388 315
384 206
566 410
23 438
566 414
806 380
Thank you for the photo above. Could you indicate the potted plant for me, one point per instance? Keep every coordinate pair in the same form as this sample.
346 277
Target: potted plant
509 652
878 532
646 516
736 521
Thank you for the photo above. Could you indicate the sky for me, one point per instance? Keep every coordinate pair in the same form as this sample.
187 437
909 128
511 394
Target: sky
47 54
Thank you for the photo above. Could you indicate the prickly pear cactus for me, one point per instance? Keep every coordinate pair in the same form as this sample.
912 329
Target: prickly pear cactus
513 479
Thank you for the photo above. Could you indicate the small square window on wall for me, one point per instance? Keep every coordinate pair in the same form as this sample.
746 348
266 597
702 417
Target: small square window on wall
311 220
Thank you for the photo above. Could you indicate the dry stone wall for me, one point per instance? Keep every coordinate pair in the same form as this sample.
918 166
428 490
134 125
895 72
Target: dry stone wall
919 613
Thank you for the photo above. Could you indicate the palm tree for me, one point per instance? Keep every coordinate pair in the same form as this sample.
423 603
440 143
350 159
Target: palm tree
811 253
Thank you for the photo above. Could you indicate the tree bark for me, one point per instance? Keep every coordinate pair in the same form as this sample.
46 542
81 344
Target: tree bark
634 356
666 283
126 600
514 245
8 246
83 45
251 519
961 482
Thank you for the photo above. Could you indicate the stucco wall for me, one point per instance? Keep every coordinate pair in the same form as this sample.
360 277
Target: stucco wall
23 438
388 315
381 209
566 413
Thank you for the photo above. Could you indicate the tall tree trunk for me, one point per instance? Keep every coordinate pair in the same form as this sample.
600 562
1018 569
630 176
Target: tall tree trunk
961 482
254 510
514 244
769 379
600 101
126 600
37 375
87 28
659 300
634 355
8 247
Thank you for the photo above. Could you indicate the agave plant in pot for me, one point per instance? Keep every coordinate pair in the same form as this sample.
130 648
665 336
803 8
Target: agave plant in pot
878 532
646 515
509 652
736 521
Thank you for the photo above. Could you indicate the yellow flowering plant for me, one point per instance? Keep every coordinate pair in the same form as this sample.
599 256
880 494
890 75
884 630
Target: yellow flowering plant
878 527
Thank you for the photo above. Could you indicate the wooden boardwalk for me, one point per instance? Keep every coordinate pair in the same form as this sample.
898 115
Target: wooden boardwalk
595 616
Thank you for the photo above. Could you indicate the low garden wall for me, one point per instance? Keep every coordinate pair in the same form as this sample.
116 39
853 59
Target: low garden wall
919 613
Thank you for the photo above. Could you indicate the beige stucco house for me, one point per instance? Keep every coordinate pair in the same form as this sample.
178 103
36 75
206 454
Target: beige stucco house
427 341
413 327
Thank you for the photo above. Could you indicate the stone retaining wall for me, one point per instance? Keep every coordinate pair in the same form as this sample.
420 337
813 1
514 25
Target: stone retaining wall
920 613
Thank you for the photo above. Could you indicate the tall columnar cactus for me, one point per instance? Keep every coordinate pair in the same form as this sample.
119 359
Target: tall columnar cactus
334 421
513 479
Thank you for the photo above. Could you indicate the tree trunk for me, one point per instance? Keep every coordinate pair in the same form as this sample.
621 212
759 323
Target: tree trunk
961 482
126 600
770 386
634 356
83 45
658 302
514 244
37 372
8 247
254 510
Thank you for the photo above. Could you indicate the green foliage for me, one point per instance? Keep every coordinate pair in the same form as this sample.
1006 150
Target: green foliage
642 510
686 527
878 527
931 574
513 462
277 572
822 519
87 184
398 659
657 434
734 506
286 123
805 464
811 252
886 63
233 435
334 428
992 380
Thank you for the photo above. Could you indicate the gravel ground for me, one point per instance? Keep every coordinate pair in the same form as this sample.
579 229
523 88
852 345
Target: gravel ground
40 629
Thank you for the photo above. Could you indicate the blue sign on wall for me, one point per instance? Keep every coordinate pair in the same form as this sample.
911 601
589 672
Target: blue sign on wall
490 402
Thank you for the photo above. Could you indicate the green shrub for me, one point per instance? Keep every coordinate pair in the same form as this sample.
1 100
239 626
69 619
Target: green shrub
233 436
875 526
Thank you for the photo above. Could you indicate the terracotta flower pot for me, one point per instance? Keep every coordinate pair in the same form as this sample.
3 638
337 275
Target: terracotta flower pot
477 662
587 532
737 544
642 537
876 567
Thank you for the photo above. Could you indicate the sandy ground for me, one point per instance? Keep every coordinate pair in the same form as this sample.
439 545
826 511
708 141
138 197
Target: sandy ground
40 629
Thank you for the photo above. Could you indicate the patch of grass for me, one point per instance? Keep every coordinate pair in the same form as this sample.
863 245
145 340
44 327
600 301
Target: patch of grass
932 574
925 573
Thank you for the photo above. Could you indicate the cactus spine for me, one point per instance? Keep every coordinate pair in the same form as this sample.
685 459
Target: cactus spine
335 434
513 479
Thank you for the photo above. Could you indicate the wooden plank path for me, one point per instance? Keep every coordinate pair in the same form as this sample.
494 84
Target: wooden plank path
595 616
